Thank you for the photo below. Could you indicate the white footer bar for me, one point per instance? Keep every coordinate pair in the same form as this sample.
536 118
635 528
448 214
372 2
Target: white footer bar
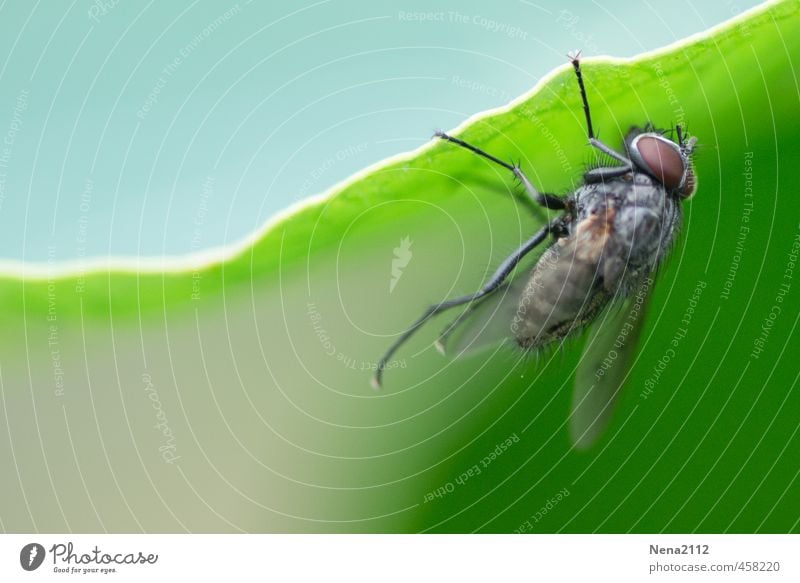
400 558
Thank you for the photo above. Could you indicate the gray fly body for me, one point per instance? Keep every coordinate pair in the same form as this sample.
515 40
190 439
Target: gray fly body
614 231
622 229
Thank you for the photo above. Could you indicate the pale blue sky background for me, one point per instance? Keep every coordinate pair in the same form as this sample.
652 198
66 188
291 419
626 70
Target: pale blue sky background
161 128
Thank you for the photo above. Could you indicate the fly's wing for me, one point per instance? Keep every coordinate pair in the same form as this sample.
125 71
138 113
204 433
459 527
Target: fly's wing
486 324
558 291
604 365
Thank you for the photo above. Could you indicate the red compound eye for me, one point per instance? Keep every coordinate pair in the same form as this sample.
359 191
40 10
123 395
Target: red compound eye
662 159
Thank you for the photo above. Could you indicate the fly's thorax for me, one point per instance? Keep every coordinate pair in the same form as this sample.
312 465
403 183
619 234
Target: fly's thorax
646 218
647 222
633 189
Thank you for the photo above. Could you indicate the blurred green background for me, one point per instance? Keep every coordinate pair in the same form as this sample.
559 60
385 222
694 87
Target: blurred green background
234 396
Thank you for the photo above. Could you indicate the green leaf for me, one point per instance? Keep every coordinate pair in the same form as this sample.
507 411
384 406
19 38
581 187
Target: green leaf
232 393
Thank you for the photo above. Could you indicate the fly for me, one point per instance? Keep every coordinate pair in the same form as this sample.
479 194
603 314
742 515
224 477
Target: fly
604 249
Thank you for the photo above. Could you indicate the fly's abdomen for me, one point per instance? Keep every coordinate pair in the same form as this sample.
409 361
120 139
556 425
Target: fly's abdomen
562 293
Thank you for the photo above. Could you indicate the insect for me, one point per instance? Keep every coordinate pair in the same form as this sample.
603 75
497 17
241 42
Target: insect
605 246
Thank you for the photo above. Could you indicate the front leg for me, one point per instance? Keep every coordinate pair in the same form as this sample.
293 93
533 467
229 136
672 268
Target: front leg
549 201
603 173
576 64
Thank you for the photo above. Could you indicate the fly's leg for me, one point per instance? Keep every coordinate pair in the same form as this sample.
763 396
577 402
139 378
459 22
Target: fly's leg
549 201
441 341
603 173
611 152
491 286
576 64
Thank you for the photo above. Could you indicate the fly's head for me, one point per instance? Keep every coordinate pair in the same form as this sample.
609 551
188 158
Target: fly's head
666 160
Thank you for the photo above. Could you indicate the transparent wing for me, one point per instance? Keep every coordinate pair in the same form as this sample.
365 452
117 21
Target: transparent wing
486 324
604 365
